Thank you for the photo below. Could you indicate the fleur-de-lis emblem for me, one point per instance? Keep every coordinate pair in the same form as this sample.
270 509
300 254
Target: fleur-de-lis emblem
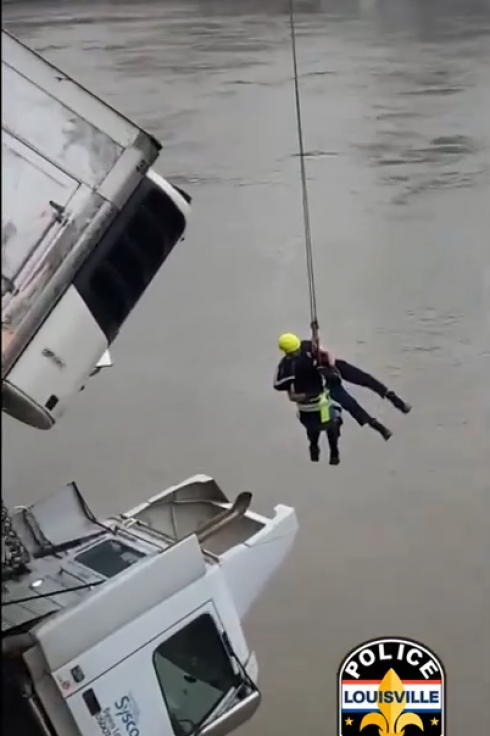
392 721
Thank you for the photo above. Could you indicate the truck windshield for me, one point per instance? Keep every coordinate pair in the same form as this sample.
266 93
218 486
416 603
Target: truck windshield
109 558
194 672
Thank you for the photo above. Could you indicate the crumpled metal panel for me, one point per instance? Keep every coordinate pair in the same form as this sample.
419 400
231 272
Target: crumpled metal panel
55 131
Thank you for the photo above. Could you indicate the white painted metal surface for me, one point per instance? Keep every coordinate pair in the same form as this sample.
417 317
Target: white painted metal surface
124 588
69 164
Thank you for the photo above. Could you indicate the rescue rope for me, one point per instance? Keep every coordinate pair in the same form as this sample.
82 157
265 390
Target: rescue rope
306 213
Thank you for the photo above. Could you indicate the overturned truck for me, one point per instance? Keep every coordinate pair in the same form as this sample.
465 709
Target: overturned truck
131 625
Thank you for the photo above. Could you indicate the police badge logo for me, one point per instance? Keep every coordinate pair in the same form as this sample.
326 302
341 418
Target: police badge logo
391 687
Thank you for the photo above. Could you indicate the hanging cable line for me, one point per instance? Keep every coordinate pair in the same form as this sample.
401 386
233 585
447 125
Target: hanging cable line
306 213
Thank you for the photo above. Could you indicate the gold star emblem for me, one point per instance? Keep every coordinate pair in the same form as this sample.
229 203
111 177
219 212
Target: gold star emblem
434 722
349 721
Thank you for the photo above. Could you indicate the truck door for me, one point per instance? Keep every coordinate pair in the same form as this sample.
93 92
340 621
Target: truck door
29 220
168 687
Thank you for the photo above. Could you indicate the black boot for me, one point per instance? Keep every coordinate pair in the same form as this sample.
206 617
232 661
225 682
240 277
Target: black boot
314 453
378 427
334 457
398 403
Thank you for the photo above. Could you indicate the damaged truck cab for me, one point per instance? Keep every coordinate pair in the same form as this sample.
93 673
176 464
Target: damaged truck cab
133 626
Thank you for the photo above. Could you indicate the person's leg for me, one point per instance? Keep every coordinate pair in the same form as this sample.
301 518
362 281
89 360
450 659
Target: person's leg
336 414
333 435
314 440
339 394
311 422
357 412
353 374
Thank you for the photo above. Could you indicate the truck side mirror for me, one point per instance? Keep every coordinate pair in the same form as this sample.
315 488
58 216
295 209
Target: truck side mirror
235 717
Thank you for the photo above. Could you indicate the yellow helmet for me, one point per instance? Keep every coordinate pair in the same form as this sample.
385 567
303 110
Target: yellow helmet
289 343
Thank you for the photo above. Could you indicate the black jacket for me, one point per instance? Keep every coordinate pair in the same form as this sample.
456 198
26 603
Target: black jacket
299 372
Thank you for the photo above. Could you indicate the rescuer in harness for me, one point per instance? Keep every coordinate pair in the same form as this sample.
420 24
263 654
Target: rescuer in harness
299 353
298 374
